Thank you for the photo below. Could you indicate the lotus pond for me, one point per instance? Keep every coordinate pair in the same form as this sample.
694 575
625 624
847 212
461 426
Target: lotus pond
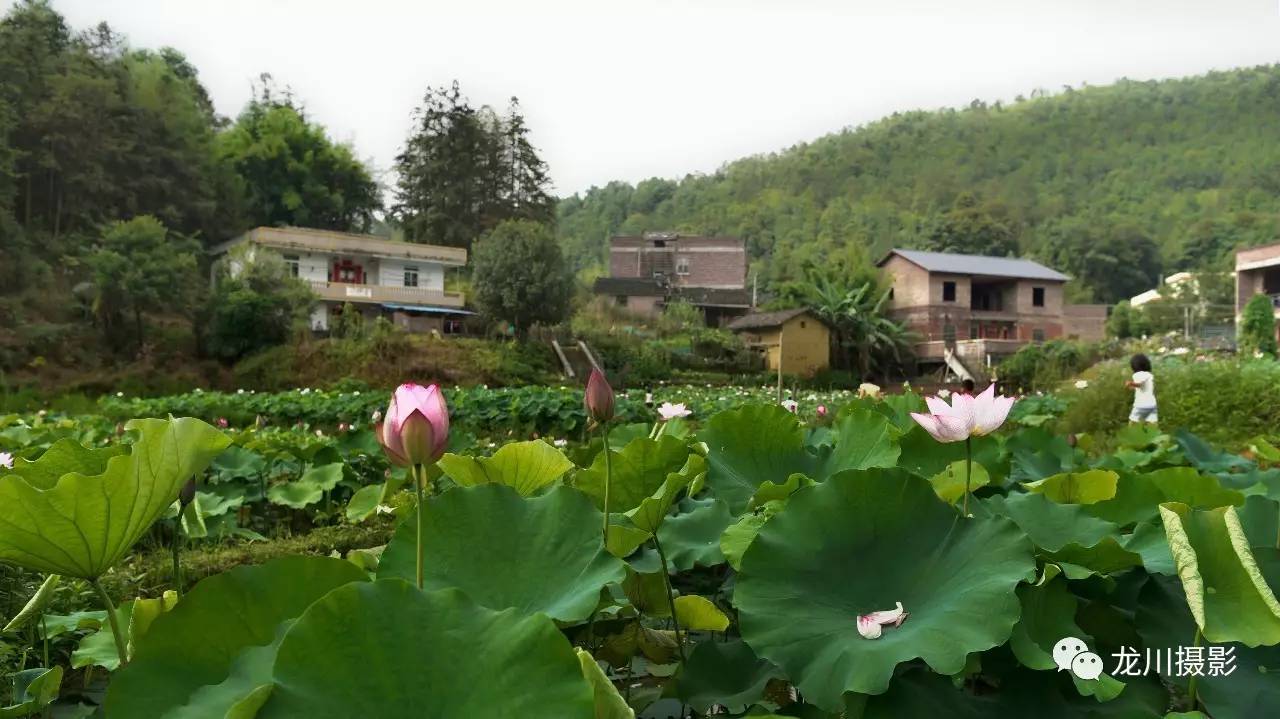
742 546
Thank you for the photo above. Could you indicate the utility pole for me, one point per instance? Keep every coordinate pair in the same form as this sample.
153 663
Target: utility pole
780 331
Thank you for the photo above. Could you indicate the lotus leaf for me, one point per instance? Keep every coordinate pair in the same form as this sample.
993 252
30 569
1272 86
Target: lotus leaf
84 521
950 483
536 554
1095 485
765 443
858 543
196 646
525 466
639 470
725 673
609 704
1225 590
406 653
692 538
700 614
34 689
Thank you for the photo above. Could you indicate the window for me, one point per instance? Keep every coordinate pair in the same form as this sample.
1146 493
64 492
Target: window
1037 335
948 292
1037 296
621 300
410 275
682 265
801 324
292 262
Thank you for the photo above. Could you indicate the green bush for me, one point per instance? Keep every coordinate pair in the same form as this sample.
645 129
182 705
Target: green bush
1042 366
1226 402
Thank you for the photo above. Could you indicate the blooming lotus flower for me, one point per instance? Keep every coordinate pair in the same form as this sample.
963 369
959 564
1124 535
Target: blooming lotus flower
822 410
670 411
598 398
6 460
966 416
223 423
561 442
870 626
944 393
790 405
416 428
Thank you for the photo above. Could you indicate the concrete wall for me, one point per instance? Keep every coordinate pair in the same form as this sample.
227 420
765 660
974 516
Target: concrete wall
910 283
721 264
430 274
1085 322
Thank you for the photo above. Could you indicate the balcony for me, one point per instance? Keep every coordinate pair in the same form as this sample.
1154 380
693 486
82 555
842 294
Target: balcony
349 292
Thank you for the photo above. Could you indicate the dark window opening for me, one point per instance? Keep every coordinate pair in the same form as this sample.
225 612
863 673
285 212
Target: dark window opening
801 324
948 292
890 293
1037 335
1037 296
621 300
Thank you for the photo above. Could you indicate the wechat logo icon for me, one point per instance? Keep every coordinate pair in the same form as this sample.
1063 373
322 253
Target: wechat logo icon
1073 655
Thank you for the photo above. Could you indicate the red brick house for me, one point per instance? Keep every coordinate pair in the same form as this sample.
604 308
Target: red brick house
1258 272
981 308
651 270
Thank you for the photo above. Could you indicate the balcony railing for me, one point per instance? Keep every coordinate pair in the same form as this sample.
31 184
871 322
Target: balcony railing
349 292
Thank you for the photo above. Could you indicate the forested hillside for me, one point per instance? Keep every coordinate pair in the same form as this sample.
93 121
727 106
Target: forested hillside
1115 185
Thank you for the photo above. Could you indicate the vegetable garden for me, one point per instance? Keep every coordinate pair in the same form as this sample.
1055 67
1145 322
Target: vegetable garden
745 560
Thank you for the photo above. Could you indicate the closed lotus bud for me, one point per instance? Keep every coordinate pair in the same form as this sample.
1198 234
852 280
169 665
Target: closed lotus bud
187 494
1072 440
415 429
599 398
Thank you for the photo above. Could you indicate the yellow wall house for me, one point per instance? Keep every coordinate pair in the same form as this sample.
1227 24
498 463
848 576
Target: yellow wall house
797 337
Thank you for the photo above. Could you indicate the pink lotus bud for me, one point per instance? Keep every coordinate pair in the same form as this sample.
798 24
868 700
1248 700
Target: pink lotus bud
416 428
822 410
223 423
599 397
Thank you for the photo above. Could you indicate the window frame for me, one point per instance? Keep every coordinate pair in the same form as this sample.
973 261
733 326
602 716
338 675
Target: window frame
949 287
294 263
682 266
414 272
1037 296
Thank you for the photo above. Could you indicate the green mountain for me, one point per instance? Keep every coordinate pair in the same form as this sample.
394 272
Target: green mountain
1115 185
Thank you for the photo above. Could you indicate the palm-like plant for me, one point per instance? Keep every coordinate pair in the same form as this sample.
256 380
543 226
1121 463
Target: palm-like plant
866 338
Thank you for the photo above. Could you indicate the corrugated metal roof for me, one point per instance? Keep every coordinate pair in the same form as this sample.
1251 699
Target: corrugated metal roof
426 308
978 265
766 319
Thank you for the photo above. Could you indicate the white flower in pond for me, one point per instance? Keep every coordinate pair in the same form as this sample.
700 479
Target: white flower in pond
648 398
1082 384
561 442
6 460
871 626
376 416
790 405
119 394
670 411
1179 351
1162 350
319 433
944 393
240 391
867 389
356 393
385 509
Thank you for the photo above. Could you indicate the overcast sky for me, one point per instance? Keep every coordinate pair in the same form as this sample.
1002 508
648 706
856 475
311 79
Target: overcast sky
629 90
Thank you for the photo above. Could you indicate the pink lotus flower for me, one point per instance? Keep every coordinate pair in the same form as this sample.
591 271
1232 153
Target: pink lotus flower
598 398
6 460
966 416
822 410
223 423
670 411
416 428
870 626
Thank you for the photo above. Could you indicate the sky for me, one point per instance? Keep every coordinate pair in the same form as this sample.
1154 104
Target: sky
630 90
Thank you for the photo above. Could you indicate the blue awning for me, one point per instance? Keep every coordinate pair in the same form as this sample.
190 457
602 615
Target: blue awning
426 308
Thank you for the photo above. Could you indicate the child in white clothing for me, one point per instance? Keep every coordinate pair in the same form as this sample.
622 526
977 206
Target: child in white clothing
1143 385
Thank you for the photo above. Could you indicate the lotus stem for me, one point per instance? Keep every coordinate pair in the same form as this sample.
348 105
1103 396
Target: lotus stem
1191 683
114 621
968 472
177 550
608 480
418 475
671 599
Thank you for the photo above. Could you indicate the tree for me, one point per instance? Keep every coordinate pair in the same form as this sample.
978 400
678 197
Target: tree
257 306
140 267
1125 321
866 339
464 170
1258 326
973 230
520 276
291 172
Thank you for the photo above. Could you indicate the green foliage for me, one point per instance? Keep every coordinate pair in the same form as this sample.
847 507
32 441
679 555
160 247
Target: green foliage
1258 326
140 267
465 170
520 276
1113 185
258 306
1125 321
290 173
1043 365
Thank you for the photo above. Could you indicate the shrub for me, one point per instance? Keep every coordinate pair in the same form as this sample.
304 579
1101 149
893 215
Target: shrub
1042 366
1258 327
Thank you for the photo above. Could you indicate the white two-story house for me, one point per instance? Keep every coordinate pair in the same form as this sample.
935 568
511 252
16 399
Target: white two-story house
402 281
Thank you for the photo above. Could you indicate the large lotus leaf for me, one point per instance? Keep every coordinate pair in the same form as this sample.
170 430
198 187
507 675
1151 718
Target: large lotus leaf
1225 589
765 443
236 462
638 471
651 511
1149 541
203 641
724 673
1250 690
296 495
527 467
538 554
386 649
861 542
1050 525
83 524
1260 518
1037 454
1139 495
951 483
738 536
1204 457
34 689
1091 487
693 536
64 457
